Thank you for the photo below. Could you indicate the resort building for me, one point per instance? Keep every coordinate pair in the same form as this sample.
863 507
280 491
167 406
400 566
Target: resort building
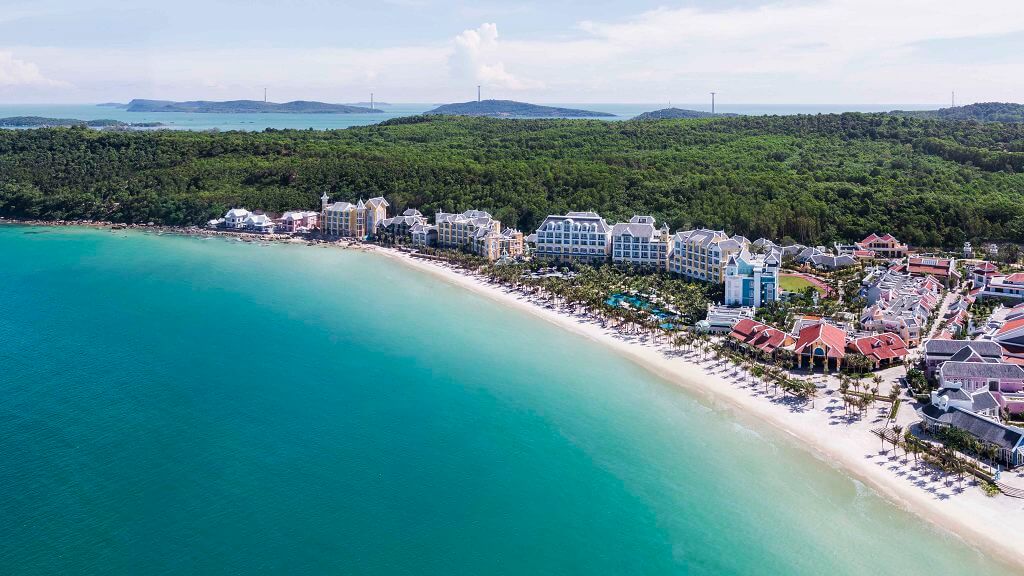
460 230
640 243
259 223
347 220
475 231
943 269
751 334
399 227
297 221
937 352
976 414
968 250
884 246
1010 337
508 243
751 280
899 303
819 259
982 272
973 376
702 254
576 236
721 319
822 345
1010 287
423 235
882 349
235 218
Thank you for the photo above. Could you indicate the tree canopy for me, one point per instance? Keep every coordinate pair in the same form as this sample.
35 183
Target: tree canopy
808 178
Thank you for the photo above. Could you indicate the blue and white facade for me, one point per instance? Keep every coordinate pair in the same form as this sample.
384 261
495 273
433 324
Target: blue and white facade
751 280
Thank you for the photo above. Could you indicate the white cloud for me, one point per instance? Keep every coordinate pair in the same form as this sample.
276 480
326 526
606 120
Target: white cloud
15 72
477 56
810 51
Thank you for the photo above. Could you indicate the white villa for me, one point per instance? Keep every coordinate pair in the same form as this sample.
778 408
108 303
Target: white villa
235 218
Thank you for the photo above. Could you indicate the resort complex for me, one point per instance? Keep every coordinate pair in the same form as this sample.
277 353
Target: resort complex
869 306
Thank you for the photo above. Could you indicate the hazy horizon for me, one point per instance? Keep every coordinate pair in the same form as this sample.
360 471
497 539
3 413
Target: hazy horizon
854 52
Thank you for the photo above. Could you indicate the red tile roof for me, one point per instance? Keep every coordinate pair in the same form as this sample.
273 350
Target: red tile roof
1015 278
1011 326
935 266
760 336
879 347
833 338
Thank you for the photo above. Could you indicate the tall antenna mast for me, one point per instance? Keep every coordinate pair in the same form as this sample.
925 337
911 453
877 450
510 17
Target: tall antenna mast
264 95
952 98
371 101
712 102
477 92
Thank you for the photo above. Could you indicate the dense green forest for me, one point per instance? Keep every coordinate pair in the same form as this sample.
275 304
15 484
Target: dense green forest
982 112
809 178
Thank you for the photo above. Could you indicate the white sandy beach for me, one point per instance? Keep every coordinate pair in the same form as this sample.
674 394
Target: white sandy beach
846 443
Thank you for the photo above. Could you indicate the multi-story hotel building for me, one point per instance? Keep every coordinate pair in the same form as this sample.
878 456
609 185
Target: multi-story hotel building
640 243
576 236
751 280
477 232
401 226
349 220
460 230
508 243
702 254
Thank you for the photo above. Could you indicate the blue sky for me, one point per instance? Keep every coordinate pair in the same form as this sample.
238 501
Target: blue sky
800 51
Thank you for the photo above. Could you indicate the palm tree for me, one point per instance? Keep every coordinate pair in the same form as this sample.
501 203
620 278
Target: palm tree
897 429
991 452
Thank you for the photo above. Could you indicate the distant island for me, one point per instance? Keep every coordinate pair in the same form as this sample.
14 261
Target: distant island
246 106
112 105
512 109
677 113
42 122
982 112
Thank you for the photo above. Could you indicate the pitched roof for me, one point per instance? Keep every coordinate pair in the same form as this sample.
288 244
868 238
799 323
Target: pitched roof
1011 326
994 370
880 346
949 347
834 339
760 336
1006 437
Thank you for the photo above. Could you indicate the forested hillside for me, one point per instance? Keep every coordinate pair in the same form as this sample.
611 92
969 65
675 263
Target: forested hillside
811 178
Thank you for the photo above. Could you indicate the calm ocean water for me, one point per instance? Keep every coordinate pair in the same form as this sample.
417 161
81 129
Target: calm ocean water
192 121
184 406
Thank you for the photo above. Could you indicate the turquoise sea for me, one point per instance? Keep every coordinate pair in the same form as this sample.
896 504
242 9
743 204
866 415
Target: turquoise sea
206 121
177 405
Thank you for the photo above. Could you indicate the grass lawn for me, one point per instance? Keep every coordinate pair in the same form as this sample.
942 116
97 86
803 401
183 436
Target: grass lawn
795 284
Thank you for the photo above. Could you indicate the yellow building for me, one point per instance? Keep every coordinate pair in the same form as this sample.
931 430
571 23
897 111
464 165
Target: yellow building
498 245
703 254
477 232
347 220
461 230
